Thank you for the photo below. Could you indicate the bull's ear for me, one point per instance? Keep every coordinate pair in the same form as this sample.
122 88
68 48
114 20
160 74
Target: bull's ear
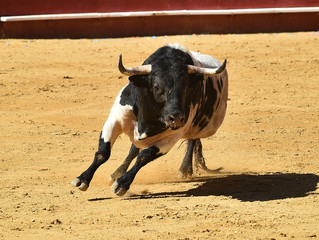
194 79
139 80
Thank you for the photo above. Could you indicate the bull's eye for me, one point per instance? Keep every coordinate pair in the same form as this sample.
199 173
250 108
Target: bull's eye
156 89
158 93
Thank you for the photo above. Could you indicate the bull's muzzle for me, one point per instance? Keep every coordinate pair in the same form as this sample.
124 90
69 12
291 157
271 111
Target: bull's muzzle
175 121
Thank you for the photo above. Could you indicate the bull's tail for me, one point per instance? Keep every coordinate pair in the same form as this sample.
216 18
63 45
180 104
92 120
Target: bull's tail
200 160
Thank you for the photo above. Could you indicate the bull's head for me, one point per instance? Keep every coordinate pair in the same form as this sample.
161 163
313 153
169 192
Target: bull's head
168 76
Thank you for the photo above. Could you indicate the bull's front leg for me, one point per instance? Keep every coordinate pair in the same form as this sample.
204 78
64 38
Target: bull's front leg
101 156
122 184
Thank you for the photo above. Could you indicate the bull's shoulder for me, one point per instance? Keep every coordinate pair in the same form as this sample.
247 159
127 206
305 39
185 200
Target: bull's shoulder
128 97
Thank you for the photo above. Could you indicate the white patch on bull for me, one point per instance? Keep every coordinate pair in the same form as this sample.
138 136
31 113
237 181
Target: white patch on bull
142 136
203 60
121 119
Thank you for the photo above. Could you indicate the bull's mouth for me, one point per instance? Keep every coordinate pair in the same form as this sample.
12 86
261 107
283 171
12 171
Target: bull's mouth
173 128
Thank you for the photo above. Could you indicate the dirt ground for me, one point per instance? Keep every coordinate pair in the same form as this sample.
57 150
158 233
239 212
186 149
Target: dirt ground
56 95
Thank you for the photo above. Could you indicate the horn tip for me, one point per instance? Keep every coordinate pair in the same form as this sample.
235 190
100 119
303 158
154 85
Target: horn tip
225 62
222 67
120 64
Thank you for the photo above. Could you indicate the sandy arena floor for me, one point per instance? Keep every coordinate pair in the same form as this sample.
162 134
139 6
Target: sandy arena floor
56 95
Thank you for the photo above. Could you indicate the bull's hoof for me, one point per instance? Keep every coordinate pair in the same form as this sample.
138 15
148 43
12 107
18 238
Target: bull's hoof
81 185
184 175
117 189
76 182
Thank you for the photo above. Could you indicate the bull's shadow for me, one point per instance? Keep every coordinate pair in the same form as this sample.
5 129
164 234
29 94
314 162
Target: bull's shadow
248 188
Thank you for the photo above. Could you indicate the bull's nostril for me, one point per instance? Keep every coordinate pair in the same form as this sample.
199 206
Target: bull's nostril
171 119
175 120
181 119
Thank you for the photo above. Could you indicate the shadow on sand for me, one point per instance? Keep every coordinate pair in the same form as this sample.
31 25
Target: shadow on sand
248 188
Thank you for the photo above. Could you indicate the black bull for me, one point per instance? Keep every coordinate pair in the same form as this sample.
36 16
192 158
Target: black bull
176 94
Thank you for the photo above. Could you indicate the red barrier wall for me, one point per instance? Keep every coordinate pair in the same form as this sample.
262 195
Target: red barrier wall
160 25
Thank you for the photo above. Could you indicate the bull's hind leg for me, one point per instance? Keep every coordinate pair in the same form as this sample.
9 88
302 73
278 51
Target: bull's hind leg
200 160
101 156
186 169
123 168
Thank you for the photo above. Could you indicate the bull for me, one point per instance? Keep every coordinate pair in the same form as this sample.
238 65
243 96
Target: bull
175 94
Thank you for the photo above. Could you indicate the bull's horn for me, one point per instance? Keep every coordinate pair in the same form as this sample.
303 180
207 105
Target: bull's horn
208 71
141 70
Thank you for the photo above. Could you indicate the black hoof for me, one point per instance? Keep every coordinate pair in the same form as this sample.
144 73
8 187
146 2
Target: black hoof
117 189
